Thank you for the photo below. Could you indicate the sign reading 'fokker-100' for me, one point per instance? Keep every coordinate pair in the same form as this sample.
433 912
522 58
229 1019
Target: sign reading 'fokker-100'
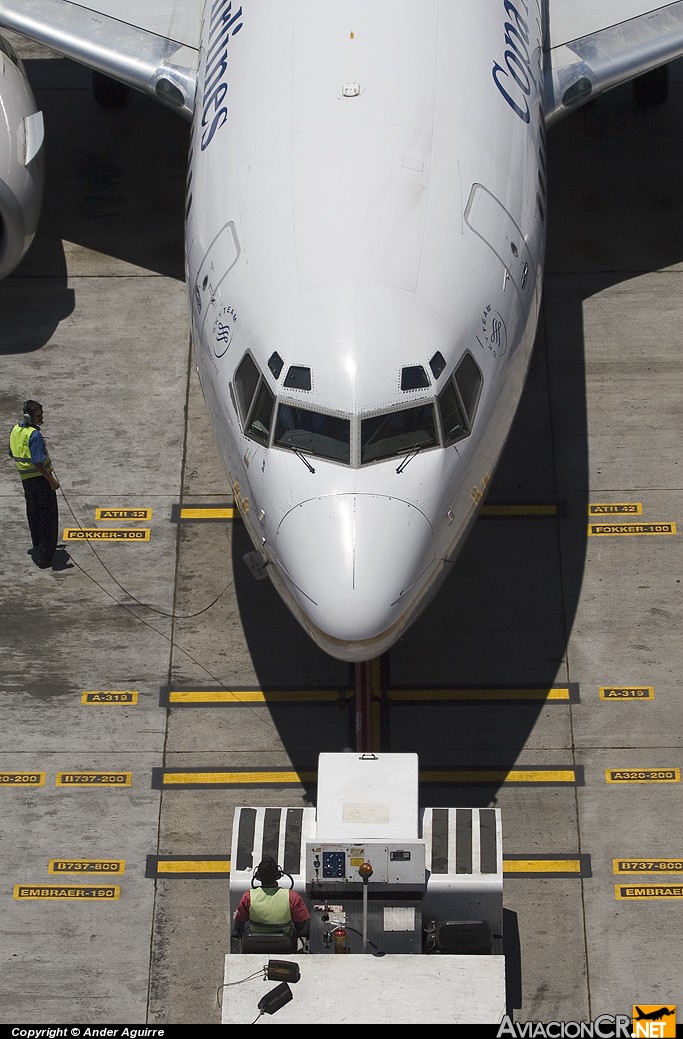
97 534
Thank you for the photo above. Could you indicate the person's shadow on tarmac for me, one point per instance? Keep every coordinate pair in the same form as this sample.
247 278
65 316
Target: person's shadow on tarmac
61 560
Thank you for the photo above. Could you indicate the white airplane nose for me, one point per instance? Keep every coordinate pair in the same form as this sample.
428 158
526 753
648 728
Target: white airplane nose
350 558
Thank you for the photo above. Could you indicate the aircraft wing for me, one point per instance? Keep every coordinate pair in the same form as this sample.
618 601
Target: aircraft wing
594 45
151 45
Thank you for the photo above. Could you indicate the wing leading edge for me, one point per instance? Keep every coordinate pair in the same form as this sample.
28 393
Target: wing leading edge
594 45
153 45
150 45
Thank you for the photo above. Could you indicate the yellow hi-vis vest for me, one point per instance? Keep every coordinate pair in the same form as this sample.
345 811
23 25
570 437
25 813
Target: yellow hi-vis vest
21 452
269 911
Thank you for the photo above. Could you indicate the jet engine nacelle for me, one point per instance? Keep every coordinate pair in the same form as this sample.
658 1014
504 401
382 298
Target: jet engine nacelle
21 160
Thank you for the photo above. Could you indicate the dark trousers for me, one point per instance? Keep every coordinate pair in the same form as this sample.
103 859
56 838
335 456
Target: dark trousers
41 512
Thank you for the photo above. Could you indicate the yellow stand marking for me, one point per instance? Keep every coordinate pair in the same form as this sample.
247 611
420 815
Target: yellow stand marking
109 696
22 778
79 866
188 866
50 893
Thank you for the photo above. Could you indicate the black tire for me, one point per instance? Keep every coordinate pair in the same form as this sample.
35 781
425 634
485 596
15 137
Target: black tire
109 93
652 88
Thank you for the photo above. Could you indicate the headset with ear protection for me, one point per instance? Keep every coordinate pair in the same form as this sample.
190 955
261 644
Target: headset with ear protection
29 407
278 876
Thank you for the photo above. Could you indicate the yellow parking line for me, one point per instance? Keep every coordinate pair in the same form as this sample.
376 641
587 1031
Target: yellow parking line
193 866
188 512
402 695
541 866
217 696
238 778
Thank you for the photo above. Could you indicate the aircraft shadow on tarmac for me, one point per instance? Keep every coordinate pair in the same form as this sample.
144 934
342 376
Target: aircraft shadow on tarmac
115 186
504 615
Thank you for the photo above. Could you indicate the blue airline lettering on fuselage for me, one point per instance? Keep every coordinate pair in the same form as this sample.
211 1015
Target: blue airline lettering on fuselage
222 26
515 80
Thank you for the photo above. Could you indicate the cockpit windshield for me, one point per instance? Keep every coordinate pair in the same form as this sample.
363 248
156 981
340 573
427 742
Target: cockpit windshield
357 439
301 429
390 434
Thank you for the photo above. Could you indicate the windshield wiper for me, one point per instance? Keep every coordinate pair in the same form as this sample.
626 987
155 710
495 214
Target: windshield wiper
302 456
412 451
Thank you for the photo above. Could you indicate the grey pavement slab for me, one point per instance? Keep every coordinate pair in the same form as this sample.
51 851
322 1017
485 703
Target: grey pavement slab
72 959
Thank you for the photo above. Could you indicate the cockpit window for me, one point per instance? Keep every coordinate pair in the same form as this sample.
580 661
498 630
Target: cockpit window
255 402
414 377
453 420
400 431
458 400
275 364
246 380
437 363
469 379
261 415
312 431
298 377
385 436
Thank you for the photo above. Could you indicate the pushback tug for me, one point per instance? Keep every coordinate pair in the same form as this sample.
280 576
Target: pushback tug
406 904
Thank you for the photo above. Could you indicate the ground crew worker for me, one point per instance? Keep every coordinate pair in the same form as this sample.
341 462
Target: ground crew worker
270 909
27 448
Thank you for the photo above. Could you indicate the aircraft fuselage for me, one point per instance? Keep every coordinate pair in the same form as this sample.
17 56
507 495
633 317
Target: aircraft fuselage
365 240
